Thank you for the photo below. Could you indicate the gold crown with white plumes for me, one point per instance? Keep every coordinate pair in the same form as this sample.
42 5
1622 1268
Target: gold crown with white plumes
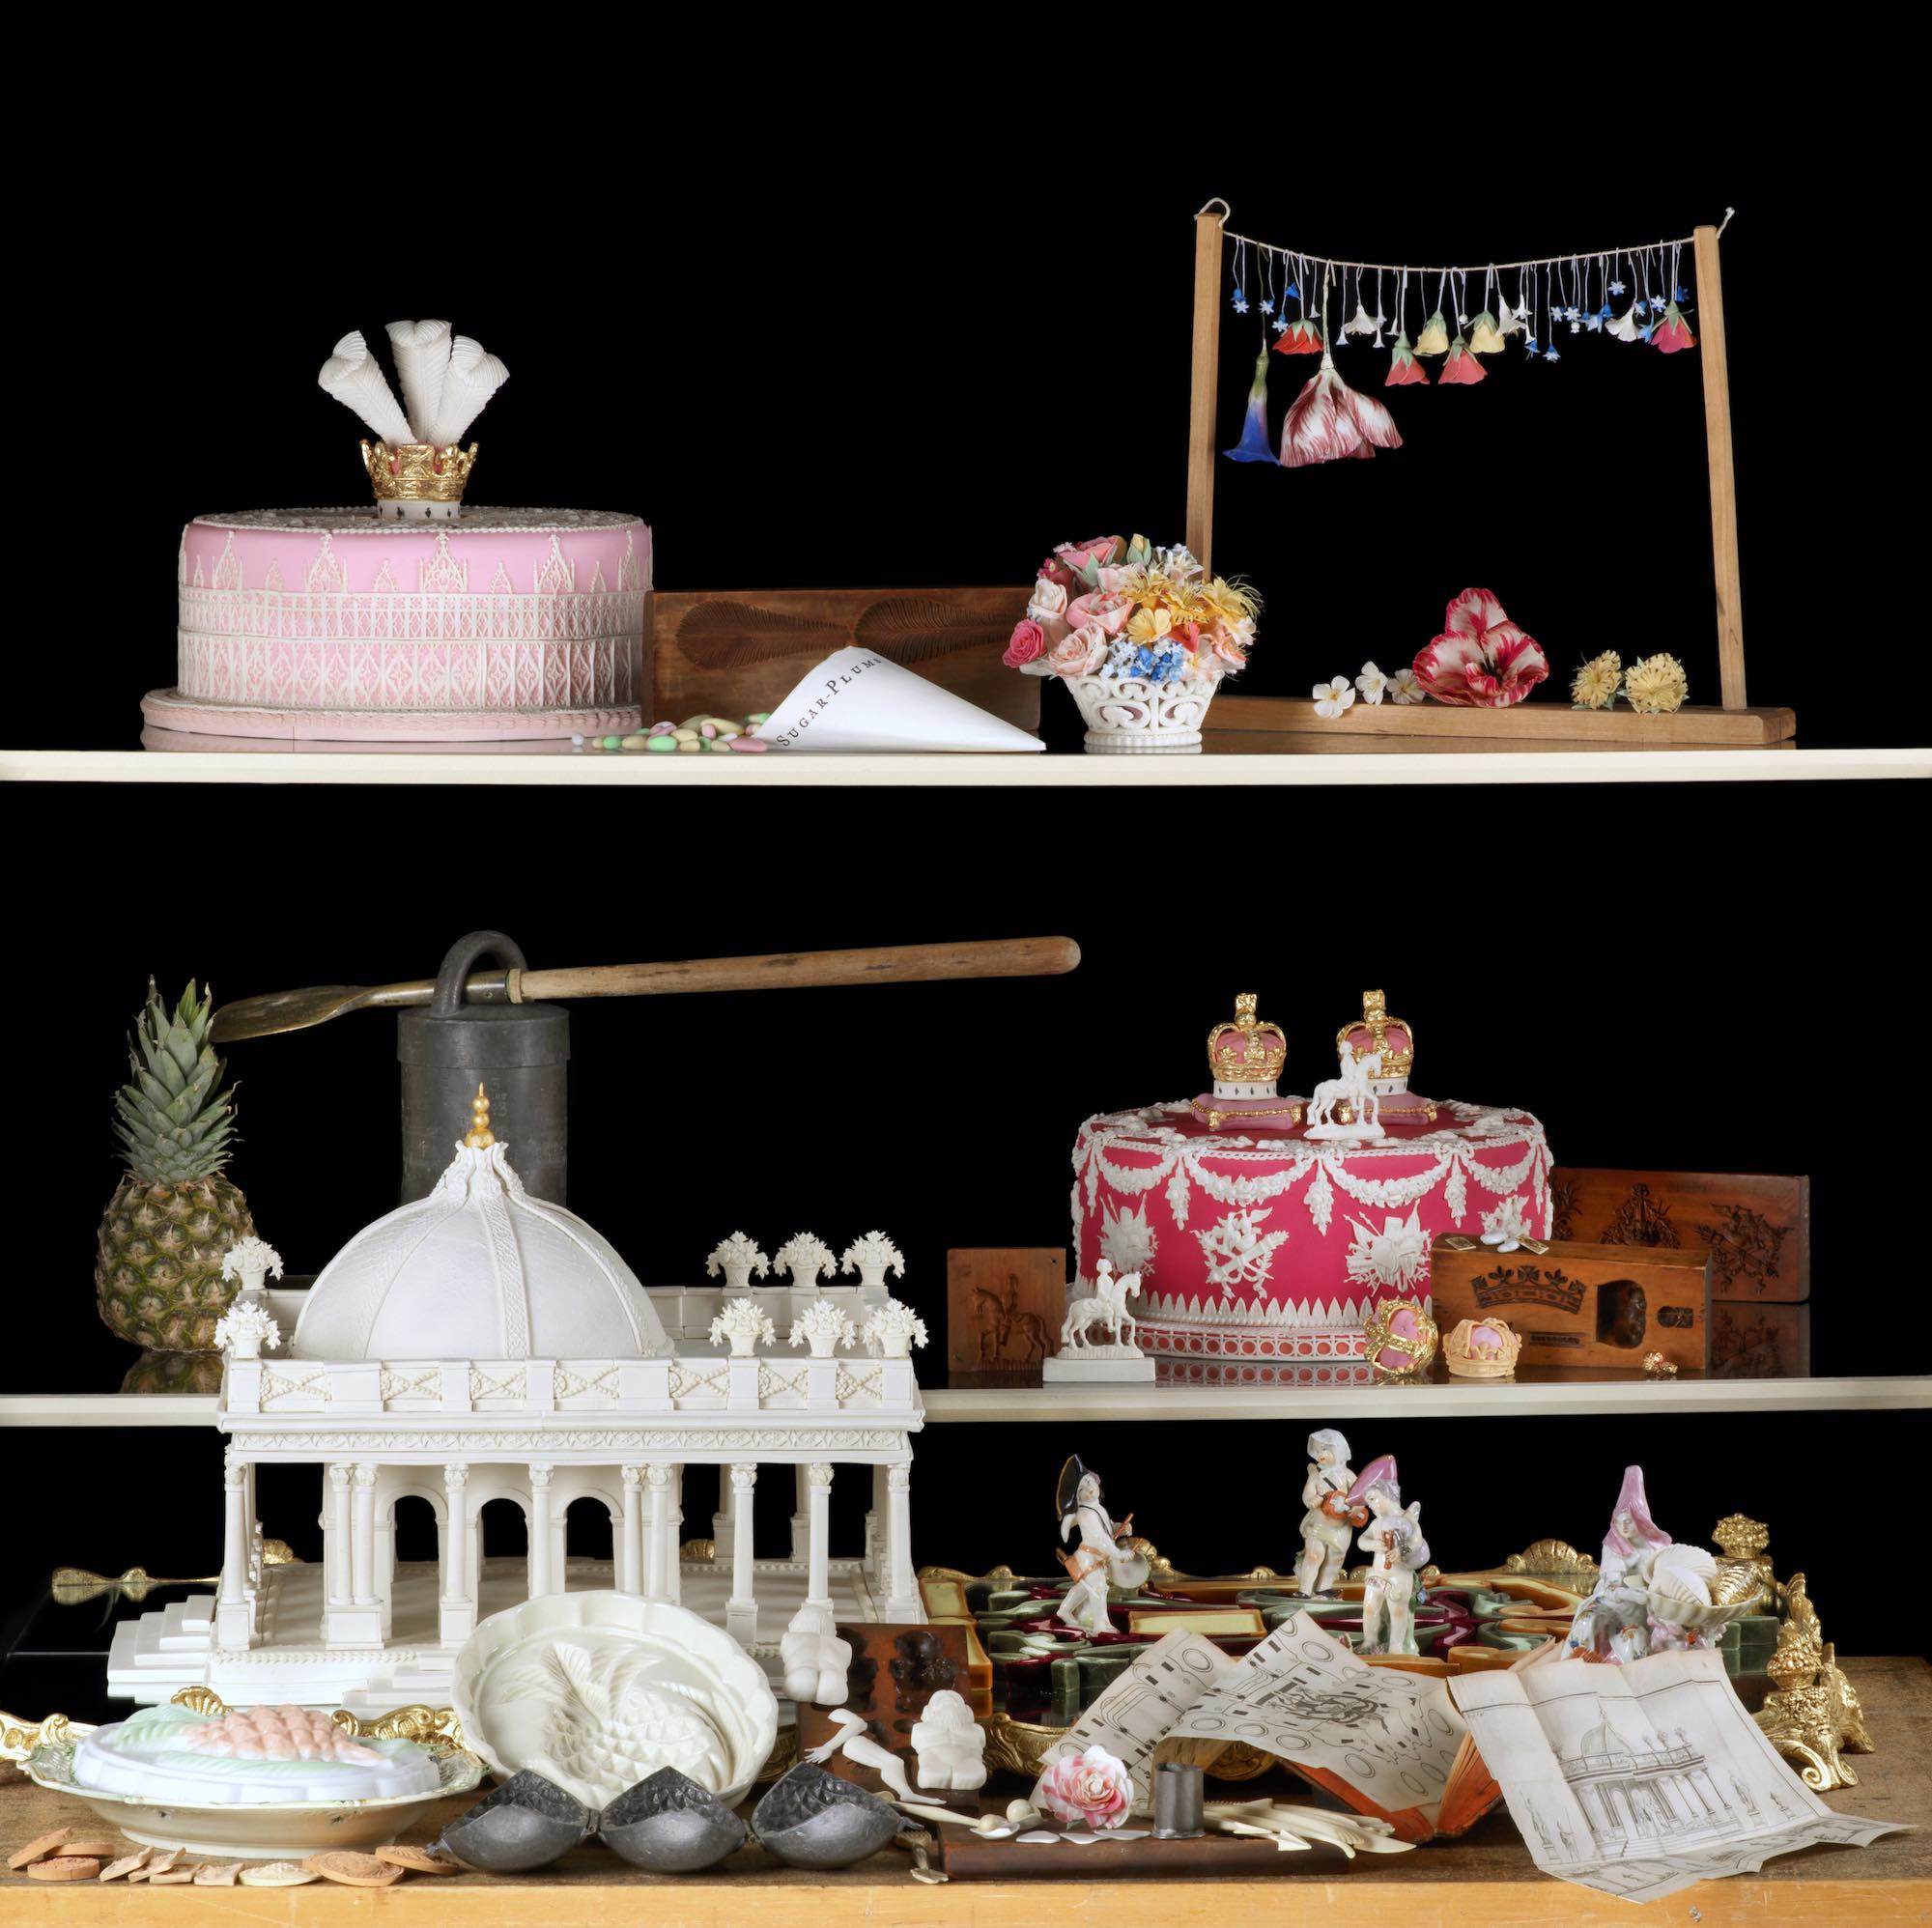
1246 1052
416 471
1371 1033
1492 1362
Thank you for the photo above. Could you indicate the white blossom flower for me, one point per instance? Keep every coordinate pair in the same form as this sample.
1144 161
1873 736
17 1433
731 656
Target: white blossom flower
1331 699
1372 683
1405 689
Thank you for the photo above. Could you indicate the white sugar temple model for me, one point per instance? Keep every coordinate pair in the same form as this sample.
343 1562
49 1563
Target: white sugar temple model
480 1344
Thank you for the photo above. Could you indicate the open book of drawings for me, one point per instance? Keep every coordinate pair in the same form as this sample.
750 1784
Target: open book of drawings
1643 1779
1387 1743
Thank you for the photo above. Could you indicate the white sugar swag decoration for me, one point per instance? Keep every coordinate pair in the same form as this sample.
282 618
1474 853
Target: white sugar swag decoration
352 376
446 382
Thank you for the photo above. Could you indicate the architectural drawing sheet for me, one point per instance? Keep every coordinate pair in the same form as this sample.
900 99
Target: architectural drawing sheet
1301 1694
1641 1779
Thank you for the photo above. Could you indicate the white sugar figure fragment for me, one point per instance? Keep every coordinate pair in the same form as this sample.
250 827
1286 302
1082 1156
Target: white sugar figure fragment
853 1742
468 384
949 1744
815 1659
352 376
422 359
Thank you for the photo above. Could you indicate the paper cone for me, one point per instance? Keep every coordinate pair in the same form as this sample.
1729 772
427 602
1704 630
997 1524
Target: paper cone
858 699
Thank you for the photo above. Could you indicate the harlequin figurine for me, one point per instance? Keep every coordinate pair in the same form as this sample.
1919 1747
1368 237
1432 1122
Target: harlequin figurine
1326 1525
1398 1552
1099 1560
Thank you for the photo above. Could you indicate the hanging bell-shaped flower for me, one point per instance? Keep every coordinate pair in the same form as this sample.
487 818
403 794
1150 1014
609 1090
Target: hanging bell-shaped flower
1363 323
1625 327
1462 365
1329 420
1508 320
1254 445
1673 333
1302 337
1485 337
1434 336
1404 368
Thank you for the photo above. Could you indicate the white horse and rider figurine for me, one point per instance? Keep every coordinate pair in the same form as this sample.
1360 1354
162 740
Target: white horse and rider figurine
1106 1308
1356 1088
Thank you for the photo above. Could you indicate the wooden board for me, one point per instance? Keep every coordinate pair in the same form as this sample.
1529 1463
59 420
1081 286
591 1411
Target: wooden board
1212 1857
1003 1308
1582 1305
889 1704
1548 721
1757 1228
730 652
1485 1879
1757 1340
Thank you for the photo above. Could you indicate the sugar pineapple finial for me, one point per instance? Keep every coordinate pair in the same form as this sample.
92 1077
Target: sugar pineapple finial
479 1137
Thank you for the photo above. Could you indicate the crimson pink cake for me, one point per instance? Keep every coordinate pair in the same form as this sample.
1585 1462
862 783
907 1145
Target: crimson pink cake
339 624
1260 1250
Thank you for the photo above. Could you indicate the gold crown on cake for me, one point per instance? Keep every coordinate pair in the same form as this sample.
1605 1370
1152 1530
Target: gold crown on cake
1246 1052
1371 1033
1494 1359
416 471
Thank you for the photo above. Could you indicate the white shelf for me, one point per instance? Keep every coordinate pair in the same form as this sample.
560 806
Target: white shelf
550 765
1024 1405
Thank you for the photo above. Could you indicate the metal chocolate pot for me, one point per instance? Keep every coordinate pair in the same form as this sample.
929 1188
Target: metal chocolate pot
521 1052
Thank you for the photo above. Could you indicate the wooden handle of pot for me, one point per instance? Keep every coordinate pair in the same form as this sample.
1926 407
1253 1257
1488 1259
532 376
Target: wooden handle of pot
790 970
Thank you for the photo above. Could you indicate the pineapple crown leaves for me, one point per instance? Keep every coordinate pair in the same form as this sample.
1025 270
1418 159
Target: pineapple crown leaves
175 1121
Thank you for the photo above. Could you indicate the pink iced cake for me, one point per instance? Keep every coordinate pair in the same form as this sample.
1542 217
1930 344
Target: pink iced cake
1261 1250
344 625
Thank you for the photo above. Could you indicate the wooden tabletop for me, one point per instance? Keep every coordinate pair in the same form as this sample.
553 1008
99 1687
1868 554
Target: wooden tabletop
1485 1879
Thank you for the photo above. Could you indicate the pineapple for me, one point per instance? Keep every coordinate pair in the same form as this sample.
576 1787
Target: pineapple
157 1272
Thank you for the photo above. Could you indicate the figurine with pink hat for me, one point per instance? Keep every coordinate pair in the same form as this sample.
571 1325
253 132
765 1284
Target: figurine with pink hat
1398 1553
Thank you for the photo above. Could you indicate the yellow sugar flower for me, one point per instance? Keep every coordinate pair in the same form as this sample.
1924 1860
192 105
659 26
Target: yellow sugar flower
1228 601
1656 685
1595 685
1148 625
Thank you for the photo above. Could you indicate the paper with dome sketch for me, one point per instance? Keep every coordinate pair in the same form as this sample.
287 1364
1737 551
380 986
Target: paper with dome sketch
1301 1694
1643 1779
858 699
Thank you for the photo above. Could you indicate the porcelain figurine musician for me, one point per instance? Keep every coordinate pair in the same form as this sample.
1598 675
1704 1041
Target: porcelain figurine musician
1398 1552
1326 1524
1098 1561
1648 1587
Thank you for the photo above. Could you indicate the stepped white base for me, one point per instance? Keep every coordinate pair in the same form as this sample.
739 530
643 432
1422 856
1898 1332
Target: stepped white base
1104 1365
153 1658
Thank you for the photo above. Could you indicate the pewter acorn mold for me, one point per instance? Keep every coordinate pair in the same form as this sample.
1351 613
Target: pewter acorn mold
671 1826
526 1824
812 1819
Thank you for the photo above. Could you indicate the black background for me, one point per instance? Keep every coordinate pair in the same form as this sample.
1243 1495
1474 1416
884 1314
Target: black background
828 313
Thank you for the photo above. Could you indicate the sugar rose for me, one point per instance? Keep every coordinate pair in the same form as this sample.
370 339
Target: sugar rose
1080 652
1025 643
1090 1790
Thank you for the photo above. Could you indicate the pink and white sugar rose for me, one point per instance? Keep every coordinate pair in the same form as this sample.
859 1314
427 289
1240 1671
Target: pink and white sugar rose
1090 1790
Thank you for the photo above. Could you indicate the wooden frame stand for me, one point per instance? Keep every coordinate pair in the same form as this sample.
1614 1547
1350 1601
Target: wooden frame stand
1734 724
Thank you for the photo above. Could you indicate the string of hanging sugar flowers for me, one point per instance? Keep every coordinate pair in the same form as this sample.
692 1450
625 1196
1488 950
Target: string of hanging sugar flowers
1328 420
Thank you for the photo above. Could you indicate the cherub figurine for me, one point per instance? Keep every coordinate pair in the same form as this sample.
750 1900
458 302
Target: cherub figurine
1099 1560
1393 1538
1645 1582
949 1744
1326 1525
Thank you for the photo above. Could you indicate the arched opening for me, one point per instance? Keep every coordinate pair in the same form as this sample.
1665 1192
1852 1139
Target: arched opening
505 1533
587 1533
416 1532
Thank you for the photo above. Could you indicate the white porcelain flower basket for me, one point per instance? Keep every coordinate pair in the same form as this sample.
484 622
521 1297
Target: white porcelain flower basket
1129 716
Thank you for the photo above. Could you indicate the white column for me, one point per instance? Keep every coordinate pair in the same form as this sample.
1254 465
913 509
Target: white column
818 1532
456 1613
335 1553
674 1539
876 1526
385 1560
363 1541
538 1528
661 1536
631 1550
901 1589
231 1623
741 1610
801 1508
723 1522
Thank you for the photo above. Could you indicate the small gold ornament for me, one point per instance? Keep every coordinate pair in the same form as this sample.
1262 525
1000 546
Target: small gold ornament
413 480
1656 1367
1494 1358
1382 1331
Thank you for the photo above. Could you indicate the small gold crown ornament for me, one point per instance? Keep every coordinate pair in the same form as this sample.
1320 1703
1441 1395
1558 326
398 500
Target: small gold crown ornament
1482 1348
416 482
1377 1022
1246 1052
1399 1339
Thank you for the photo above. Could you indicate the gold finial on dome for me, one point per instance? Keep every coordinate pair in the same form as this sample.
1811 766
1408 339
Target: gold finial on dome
1375 1021
1247 1051
479 1137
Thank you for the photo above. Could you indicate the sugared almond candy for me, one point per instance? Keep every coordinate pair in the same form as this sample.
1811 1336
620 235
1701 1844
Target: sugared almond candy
277 1874
400 1855
216 1874
41 1844
357 1870
126 1865
65 1867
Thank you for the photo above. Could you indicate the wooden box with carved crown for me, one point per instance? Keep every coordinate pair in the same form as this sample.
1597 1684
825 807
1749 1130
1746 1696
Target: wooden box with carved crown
1594 1306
